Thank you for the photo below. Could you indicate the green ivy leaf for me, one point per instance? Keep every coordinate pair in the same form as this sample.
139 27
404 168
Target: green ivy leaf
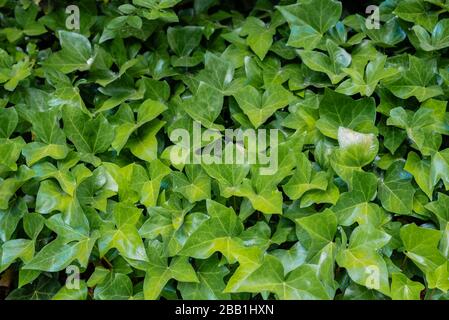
260 35
261 106
395 190
195 185
300 284
90 136
417 11
76 53
159 273
421 245
309 20
305 179
403 288
211 284
364 264
355 151
366 79
416 81
337 110
437 39
332 64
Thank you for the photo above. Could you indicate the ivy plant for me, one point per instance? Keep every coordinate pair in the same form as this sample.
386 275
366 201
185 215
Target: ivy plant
92 99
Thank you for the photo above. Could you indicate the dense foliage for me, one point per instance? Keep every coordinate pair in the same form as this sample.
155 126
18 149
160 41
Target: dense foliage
358 207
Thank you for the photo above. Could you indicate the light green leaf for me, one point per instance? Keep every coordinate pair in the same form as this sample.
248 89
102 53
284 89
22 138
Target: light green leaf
310 19
437 40
332 64
418 80
76 53
355 151
403 288
337 110
395 190
304 179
